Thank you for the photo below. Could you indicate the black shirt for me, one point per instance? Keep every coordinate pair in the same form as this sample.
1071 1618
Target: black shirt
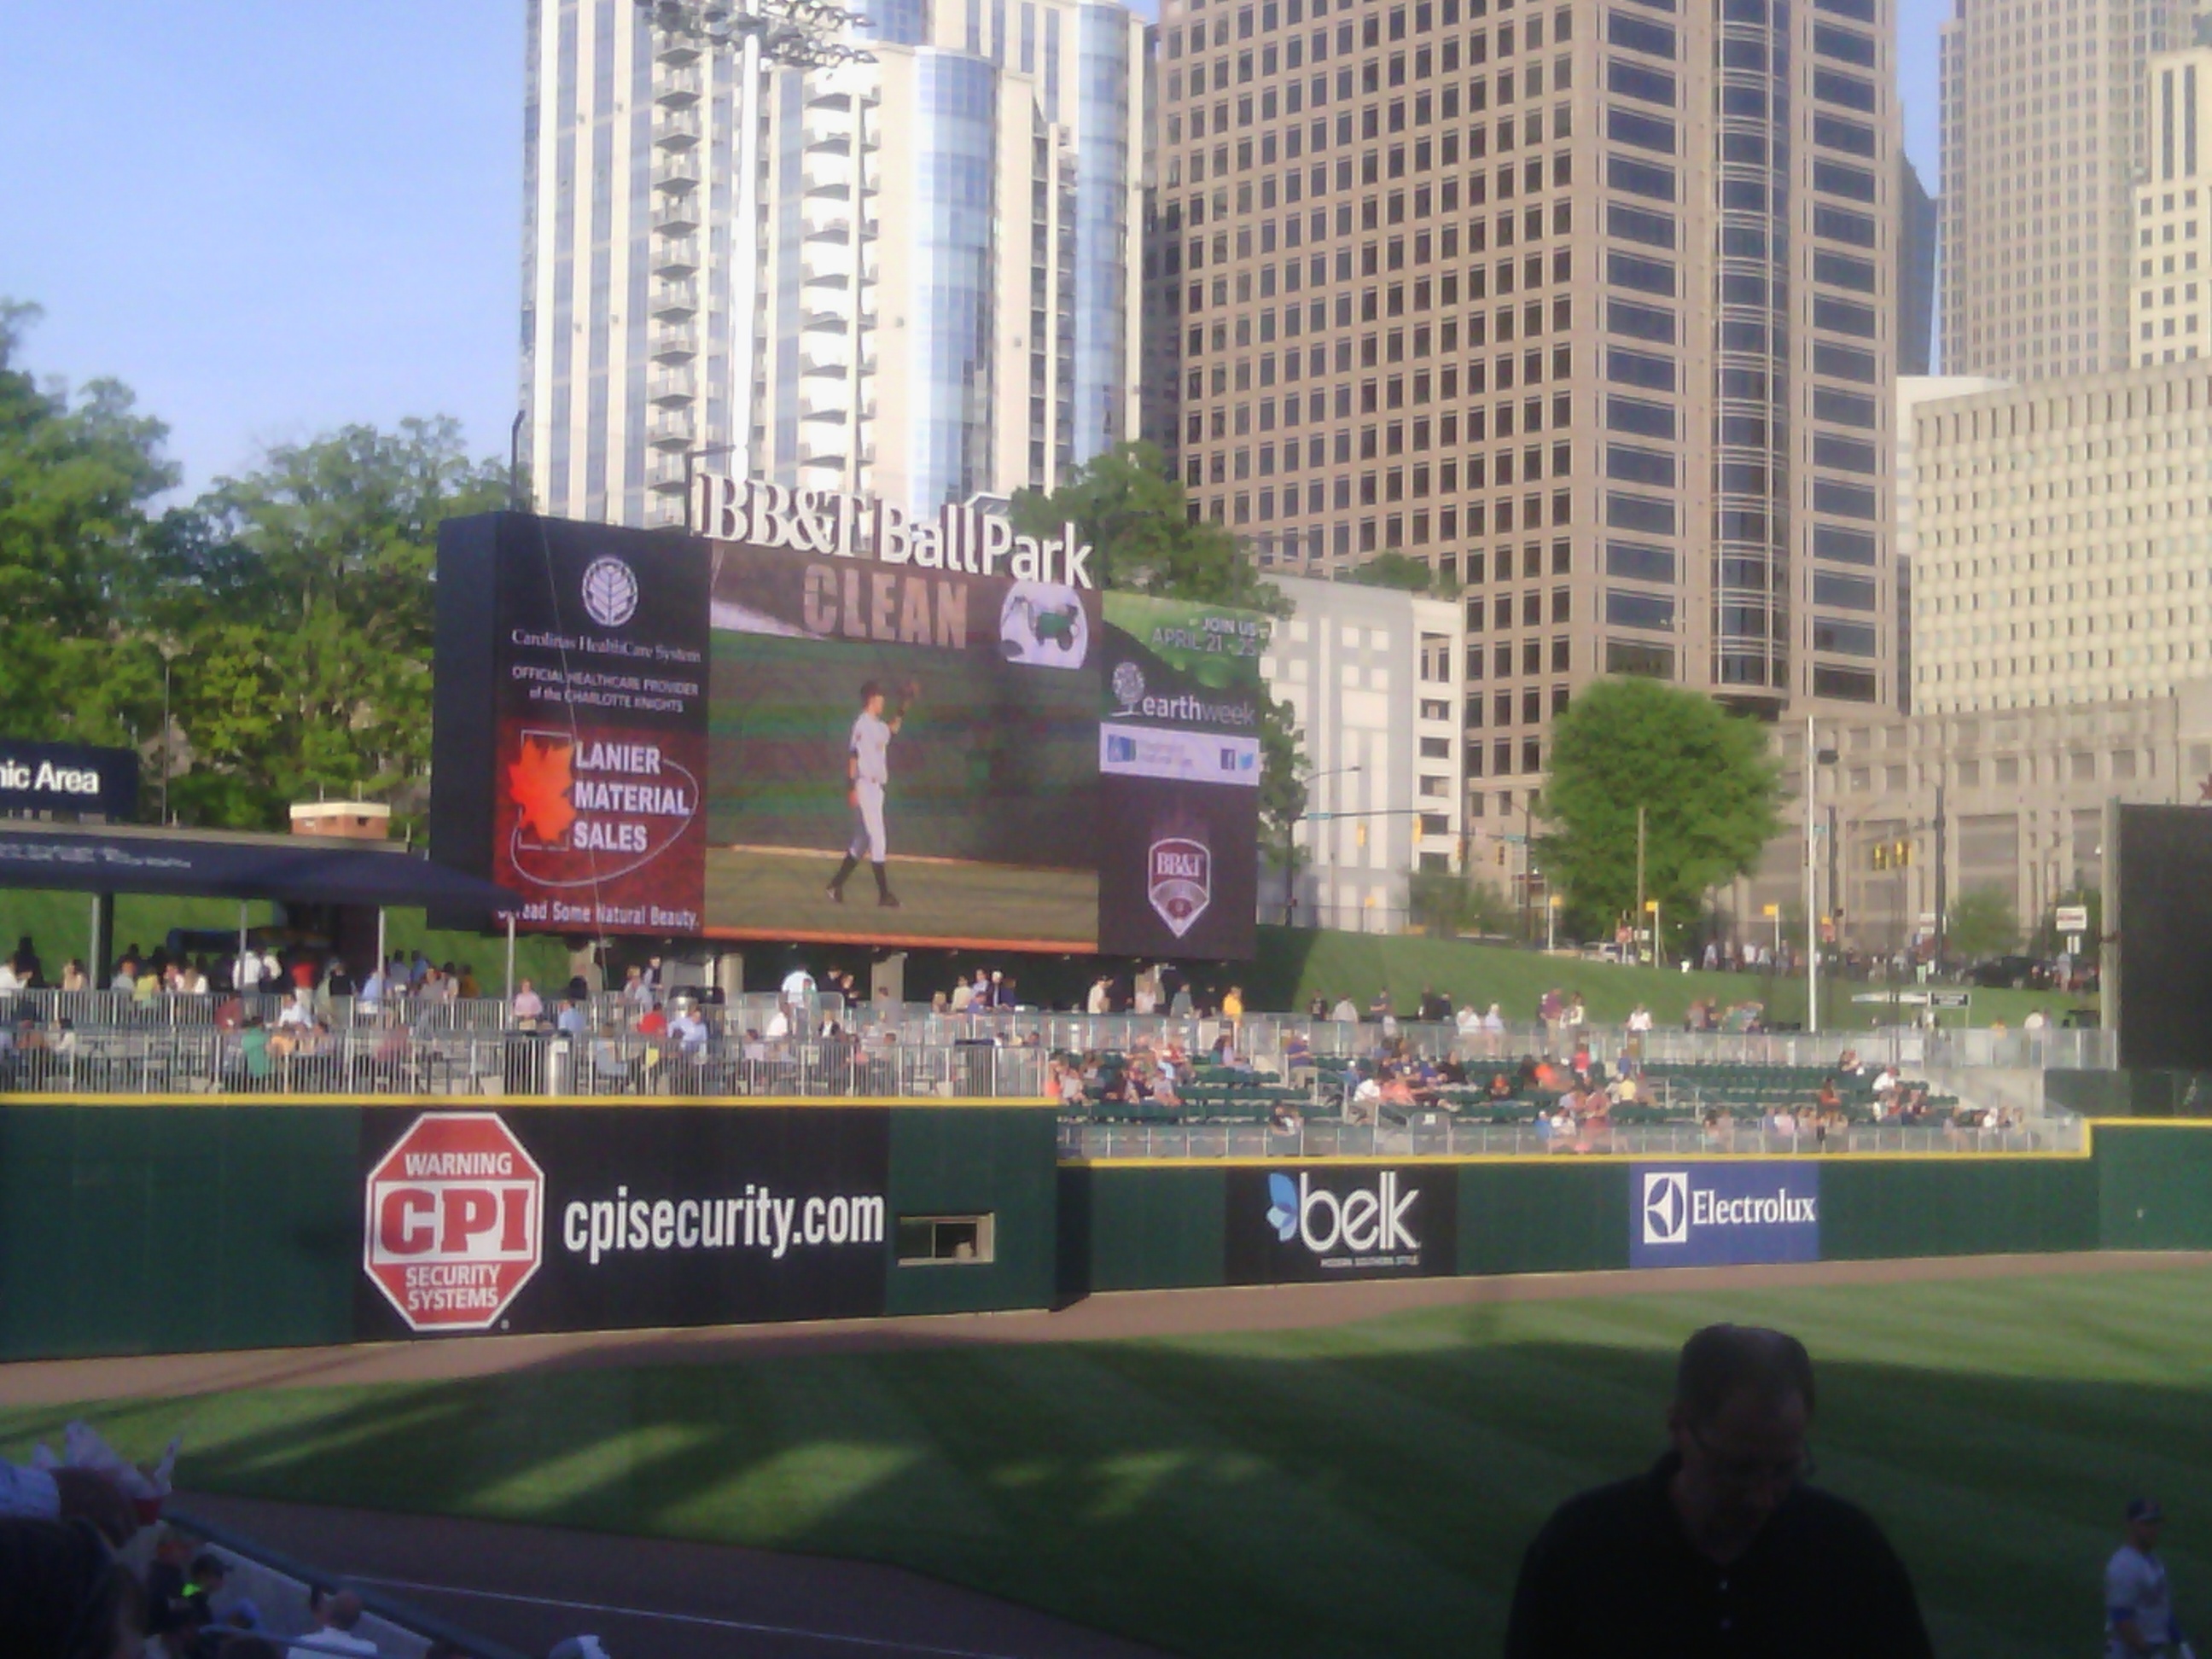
1613 1575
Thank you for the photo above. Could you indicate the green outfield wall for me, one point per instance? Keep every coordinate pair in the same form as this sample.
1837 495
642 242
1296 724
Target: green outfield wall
128 1228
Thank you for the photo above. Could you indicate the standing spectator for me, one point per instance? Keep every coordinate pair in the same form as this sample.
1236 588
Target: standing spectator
1344 1013
1435 1008
2138 1601
528 1006
1318 1008
28 969
963 996
74 978
1378 1006
1722 1547
246 977
634 989
1182 1006
1102 997
1549 1009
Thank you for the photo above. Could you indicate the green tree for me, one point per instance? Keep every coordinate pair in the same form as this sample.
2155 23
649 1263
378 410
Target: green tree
1982 923
1398 570
1283 793
1703 776
78 474
1135 516
1446 904
297 602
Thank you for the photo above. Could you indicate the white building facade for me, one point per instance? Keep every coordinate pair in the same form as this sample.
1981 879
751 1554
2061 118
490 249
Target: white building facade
911 277
1373 677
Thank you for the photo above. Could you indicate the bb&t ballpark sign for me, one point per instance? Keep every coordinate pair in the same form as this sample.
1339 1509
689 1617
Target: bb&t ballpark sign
852 526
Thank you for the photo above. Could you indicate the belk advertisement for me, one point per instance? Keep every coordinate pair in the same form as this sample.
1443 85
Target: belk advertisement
1301 1223
583 1219
1693 1215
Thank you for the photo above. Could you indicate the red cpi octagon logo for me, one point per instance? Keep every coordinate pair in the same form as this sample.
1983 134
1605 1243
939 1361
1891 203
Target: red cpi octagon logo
454 1221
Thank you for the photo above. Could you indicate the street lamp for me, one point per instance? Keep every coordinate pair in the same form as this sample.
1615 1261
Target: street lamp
1289 875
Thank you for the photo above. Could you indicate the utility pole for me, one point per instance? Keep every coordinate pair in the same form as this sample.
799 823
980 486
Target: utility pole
1640 882
1942 867
1812 889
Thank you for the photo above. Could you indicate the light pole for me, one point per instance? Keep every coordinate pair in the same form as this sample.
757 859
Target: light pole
1312 817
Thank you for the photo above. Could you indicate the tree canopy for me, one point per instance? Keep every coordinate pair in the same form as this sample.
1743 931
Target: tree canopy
291 606
1402 571
1138 521
1982 923
1704 777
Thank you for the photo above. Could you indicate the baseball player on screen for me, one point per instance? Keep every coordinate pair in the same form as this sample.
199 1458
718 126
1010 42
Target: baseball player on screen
867 769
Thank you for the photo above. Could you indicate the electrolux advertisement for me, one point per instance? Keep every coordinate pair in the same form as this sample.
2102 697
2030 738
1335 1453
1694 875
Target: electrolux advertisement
1301 1223
586 1218
1697 1214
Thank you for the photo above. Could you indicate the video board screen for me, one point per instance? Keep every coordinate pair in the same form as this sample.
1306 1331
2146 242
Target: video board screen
646 732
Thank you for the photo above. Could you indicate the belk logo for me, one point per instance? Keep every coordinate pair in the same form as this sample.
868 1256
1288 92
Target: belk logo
1179 880
1666 1206
453 1225
1364 1221
610 591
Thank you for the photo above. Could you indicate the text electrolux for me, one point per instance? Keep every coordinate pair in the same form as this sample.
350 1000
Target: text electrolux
1361 1221
1710 1209
760 1219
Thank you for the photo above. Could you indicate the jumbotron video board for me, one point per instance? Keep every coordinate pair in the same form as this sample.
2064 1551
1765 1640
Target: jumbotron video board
827 723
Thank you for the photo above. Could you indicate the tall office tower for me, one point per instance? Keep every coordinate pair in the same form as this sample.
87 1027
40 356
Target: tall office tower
2171 314
1919 229
911 275
2042 103
1591 306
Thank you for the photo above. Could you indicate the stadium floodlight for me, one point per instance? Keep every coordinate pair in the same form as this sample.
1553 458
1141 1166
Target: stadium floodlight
802 33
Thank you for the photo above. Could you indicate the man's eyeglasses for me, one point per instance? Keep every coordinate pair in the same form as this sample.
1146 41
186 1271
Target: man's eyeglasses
1755 1470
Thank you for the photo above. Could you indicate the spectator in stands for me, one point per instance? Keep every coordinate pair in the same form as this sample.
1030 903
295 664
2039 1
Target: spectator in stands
1551 1007
1101 1001
29 971
690 1030
373 989
1344 1013
570 1021
63 1594
73 977
1435 1009
1180 1005
192 1614
1723 1528
1469 1020
1829 1100
528 1006
334 1633
1318 1008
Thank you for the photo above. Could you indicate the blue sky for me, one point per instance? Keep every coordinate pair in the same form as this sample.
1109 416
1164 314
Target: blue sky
271 217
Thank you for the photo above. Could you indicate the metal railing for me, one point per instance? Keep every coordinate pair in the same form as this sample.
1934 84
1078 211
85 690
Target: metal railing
399 1060
1446 1138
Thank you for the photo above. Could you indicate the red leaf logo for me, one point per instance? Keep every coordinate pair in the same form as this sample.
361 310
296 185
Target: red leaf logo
539 782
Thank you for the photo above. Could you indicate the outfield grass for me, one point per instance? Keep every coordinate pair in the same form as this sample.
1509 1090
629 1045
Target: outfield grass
1296 964
1366 1489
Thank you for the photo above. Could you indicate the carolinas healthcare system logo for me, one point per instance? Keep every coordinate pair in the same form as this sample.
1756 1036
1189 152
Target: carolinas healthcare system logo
1179 881
1666 1206
610 591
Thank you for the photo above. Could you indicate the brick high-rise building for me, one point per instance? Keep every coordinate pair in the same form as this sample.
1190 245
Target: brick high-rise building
1591 306
2043 132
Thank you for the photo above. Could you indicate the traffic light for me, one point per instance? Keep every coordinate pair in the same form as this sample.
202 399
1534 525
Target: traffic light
1901 854
1501 852
1881 855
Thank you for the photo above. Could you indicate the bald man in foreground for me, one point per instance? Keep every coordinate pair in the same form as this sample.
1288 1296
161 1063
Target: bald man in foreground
1722 1548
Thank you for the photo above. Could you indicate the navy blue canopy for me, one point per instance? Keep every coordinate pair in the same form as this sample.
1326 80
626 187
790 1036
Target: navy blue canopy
298 869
